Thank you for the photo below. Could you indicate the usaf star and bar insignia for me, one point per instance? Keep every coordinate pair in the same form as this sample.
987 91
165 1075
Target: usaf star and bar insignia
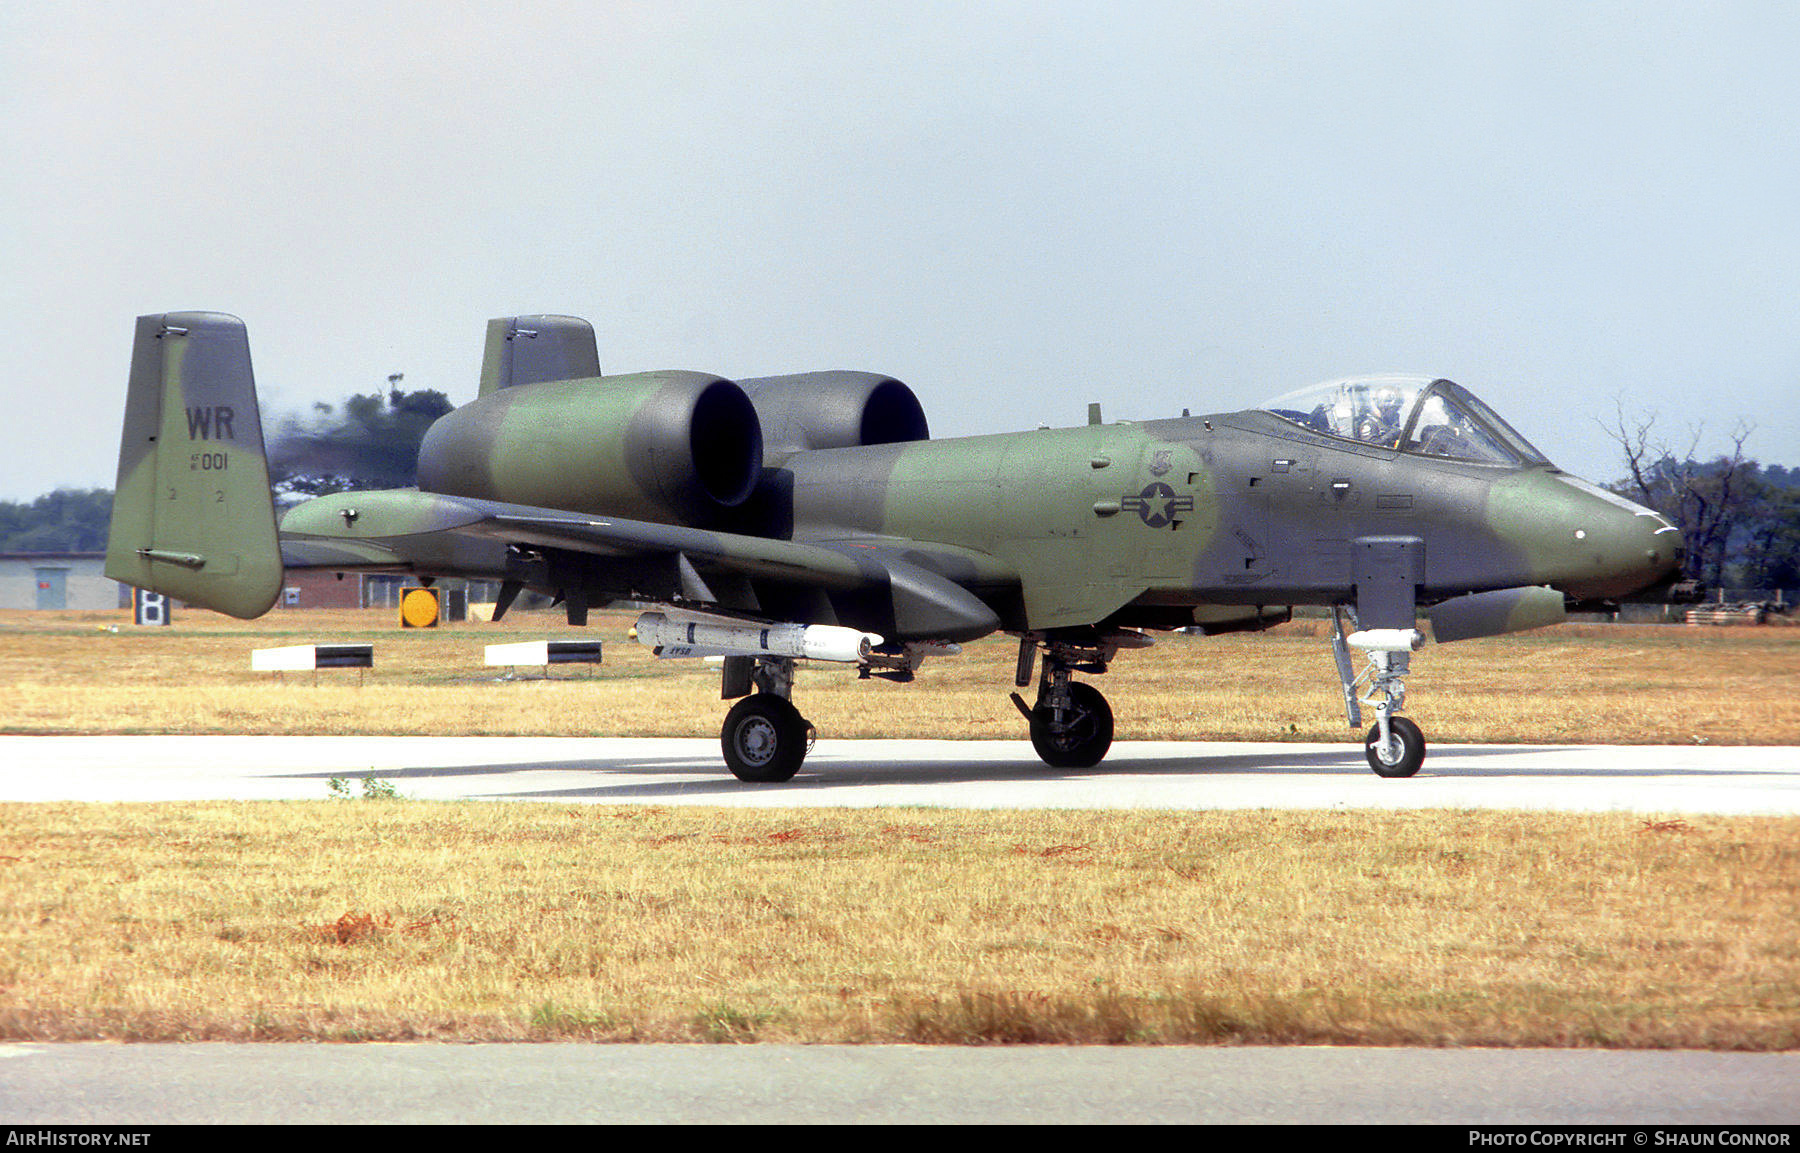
1157 505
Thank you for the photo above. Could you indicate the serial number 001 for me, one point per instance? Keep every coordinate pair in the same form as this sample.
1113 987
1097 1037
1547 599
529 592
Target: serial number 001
208 461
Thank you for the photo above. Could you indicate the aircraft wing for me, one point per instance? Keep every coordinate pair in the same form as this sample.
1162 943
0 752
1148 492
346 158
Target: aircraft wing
613 536
918 589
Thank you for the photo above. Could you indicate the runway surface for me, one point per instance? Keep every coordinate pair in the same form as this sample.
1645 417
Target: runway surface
969 774
364 1084
1631 1093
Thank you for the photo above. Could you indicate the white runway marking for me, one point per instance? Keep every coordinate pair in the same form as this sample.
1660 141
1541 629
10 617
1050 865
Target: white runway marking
965 774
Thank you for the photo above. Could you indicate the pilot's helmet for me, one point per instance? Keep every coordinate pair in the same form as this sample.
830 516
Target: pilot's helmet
1387 402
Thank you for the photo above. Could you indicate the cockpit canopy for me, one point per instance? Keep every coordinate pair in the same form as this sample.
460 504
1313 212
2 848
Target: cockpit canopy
1411 414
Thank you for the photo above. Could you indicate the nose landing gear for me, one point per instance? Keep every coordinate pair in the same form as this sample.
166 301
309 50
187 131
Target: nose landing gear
1397 754
1394 745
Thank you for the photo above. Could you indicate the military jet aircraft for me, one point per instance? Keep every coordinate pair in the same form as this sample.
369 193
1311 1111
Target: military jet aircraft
812 517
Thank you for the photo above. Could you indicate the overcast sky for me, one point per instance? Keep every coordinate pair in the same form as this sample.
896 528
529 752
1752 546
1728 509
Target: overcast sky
1015 208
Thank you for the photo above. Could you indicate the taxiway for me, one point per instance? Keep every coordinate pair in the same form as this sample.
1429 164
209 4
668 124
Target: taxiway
1736 780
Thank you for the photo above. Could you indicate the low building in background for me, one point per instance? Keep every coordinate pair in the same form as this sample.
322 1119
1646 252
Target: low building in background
77 581
65 580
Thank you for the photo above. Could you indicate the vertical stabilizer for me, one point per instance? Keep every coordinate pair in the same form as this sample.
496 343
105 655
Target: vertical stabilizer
533 349
192 515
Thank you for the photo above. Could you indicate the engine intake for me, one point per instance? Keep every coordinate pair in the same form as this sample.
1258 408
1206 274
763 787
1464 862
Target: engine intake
814 410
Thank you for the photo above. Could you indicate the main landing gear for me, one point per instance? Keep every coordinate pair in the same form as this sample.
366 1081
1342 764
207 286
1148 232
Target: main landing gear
1071 723
765 739
1073 728
1394 745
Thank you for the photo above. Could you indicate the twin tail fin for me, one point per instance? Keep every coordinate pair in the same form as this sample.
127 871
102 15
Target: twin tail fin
192 513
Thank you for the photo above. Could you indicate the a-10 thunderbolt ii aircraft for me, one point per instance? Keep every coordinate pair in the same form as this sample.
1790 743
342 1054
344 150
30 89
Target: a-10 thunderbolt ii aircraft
812 517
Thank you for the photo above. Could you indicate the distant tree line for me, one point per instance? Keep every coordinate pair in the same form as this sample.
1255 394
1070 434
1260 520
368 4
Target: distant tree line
1740 519
67 520
369 441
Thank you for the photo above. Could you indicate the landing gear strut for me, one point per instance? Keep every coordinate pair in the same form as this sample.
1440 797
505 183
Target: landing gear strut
1394 745
1071 724
765 739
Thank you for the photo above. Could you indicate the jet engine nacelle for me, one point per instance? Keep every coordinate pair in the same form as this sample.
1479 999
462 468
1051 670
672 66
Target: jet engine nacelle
675 447
814 410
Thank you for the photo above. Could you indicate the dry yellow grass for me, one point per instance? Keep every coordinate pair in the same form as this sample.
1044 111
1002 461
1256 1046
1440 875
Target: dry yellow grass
360 919
88 672
398 920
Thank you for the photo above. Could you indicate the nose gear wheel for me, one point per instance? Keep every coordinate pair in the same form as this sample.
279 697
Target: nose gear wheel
1403 752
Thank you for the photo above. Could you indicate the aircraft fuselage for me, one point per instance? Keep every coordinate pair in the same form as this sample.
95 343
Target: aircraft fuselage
1230 509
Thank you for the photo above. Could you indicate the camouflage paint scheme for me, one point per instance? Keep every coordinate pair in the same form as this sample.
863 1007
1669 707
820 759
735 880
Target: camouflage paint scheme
819 499
191 459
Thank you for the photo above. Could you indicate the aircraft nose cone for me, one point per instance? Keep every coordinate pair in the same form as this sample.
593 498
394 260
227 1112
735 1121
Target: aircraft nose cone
1619 547
1581 539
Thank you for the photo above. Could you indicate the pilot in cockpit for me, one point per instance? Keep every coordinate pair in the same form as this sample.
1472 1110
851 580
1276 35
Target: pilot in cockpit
1445 419
1380 423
